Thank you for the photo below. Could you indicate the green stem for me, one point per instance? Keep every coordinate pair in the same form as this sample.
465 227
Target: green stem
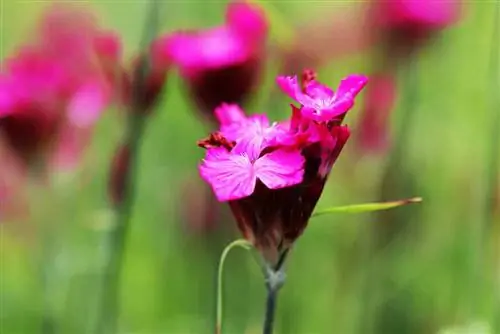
493 158
48 325
493 141
271 299
115 241
275 278
394 181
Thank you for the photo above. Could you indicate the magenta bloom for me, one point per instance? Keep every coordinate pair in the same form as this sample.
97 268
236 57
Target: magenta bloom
220 64
428 14
405 24
272 175
56 85
319 102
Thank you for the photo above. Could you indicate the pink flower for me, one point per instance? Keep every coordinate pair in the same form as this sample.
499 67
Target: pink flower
427 14
235 42
58 84
373 134
220 64
405 24
272 175
319 102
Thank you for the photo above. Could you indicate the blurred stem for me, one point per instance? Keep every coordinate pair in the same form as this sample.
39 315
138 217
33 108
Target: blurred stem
47 252
408 111
492 161
387 225
493 141
39 175
115 241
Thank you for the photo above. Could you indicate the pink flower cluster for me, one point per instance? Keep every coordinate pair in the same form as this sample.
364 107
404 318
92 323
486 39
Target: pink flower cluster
272 174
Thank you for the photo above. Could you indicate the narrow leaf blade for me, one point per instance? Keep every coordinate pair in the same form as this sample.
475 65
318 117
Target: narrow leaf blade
367 207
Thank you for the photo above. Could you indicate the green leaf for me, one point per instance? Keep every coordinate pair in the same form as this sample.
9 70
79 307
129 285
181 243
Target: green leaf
237 243
367 207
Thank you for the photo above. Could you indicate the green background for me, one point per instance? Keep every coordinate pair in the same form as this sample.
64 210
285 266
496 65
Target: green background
435 275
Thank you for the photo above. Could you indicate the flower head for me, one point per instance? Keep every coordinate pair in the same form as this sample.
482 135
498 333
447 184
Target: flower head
405 24
220 64
56 83
272 175
427 14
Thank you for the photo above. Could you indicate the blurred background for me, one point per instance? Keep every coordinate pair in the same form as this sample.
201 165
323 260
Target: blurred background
428 268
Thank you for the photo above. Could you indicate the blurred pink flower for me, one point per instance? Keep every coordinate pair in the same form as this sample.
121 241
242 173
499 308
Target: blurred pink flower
402 27
58 84
423 14
208 214
405 24
271 180
373 129
220 64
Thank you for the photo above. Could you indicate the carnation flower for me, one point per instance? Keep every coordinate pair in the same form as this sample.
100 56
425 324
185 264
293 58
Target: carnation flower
273 174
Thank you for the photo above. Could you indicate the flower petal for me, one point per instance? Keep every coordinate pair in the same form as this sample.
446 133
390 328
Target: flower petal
317 90
7 97
211 48
228 114
340 106
87 104
248 20
280 169
70 147
230 175
351 85
331 150
252 136
290 86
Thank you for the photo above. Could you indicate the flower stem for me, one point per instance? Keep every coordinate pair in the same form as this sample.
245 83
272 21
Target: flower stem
271 299
275 278
48 325
114 245
493 140
116 239
493 159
